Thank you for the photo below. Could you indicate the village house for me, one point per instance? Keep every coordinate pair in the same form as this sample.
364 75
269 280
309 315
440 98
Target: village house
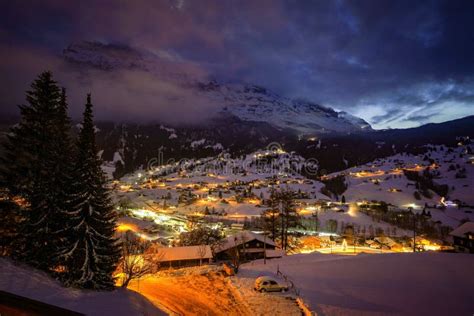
179 257
248 245
237 226
463 237
384 243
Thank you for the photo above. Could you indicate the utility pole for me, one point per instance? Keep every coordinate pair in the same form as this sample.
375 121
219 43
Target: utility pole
283 243
354 240
264 247
414 232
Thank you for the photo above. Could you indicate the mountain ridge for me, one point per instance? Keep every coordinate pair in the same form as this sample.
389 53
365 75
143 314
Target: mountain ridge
248 102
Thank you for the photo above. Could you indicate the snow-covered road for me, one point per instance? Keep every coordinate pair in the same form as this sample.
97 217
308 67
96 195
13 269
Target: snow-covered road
192 294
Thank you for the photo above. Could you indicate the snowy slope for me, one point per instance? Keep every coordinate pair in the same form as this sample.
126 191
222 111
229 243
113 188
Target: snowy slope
230 176
386 284
383 180
253 103
30 283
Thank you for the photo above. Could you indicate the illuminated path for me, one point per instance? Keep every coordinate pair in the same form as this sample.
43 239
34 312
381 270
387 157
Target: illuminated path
209 294
349 250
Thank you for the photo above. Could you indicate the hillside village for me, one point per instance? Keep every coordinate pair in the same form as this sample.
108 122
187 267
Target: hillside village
377 201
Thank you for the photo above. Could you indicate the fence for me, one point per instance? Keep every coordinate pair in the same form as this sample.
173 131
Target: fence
299 301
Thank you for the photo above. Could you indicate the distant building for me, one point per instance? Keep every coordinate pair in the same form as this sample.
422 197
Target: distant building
237 226
387 243
248 245
179 257
463 237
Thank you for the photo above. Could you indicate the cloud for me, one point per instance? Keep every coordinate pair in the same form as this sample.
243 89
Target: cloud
420 118
125 94
389 116
140 96
368 57
421 103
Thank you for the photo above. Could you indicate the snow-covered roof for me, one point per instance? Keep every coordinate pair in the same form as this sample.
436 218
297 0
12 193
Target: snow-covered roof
462 230
241 238
385 241
185 253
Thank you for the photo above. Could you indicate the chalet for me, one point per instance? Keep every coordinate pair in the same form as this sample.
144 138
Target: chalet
386 243
463 237
237 226
179 257
248 245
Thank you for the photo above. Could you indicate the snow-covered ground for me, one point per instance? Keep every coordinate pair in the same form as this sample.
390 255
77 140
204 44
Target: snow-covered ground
192 291
377 284
374 180
383 180
262 304
33 284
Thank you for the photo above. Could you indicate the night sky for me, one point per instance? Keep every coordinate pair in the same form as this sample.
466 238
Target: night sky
393 63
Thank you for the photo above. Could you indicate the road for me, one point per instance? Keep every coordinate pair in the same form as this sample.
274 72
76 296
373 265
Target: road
194 294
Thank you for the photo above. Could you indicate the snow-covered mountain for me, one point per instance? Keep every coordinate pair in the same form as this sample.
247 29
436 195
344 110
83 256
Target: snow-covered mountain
255 103
245 101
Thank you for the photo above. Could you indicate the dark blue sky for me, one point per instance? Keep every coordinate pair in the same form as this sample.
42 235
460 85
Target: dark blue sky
394 63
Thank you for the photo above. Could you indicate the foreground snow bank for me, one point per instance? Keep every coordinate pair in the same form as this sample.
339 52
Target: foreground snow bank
30 283
396 284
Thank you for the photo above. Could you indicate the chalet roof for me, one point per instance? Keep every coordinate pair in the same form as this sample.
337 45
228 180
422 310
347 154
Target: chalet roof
241 238
185 253
462 230
385 241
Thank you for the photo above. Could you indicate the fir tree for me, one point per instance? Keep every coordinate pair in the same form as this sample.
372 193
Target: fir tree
65 199
271 215
94 251
10 219
288 214
32 171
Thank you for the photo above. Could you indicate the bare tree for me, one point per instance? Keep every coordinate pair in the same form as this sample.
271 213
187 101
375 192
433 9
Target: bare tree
139 258
237 253
201 235
202 252
243 241
234 255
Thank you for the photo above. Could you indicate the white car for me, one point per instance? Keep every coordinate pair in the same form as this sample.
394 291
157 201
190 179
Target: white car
268 284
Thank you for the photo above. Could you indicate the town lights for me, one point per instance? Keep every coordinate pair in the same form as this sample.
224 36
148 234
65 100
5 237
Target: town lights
126 227
412 206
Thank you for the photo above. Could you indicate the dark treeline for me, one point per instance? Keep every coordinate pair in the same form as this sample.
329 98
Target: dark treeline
407 219
56 213
424 183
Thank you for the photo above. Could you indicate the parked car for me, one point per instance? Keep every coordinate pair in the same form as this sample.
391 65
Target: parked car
268 284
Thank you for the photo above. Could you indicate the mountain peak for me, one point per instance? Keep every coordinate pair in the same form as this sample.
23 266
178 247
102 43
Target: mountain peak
246 101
